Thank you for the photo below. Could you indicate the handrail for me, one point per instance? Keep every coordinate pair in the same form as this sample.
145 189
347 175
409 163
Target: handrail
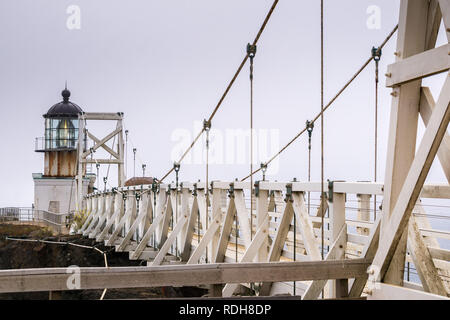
24 215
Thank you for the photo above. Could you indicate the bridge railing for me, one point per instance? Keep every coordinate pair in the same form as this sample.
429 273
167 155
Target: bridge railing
57 221
184 225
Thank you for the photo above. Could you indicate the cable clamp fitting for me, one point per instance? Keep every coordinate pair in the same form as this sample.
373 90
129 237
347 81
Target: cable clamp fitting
288 192
376 54
206 125
251 50
309 127
256 185
231 191
264 168
194 192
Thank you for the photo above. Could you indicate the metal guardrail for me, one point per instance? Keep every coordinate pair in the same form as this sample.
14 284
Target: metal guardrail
57 221
44 144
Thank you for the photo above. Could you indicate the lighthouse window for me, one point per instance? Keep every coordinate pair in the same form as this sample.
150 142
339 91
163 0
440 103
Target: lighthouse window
65 133
61 133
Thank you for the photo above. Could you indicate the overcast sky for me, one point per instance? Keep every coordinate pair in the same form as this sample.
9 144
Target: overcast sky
165 64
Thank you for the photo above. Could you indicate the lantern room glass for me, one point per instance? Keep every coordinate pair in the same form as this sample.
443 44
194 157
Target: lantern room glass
61 133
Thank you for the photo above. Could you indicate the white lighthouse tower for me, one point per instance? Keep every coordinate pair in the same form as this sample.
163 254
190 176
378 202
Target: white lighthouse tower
55 189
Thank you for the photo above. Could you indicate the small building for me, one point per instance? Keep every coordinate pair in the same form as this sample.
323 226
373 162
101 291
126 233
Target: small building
55 189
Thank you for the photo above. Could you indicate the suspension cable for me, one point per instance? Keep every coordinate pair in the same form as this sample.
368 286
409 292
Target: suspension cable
207 128
176 167
236 236
154 191
66 243
261 30
251 52
376 55
309 128
198 217
295 248
321 126
328 105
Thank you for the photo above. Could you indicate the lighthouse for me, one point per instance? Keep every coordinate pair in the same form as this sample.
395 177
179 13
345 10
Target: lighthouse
55 189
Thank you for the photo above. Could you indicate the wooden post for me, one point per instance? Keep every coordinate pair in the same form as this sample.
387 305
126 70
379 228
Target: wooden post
109 207
341 290
262 207
216 207
215 290
427 105
207 238
98 214
91 215
136 223
250 254
403 124
130 211
161 202
201 198
185 211
363 212
243 217
418 27
115 218
337 221
190 228
316 287
227 226
121 152
428 274
278 241
414 183
166 221
101 215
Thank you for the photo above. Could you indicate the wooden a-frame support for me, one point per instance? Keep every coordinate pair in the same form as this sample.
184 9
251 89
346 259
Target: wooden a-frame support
83 154
145 209
116 216
294 206
153 228
107 204
406 170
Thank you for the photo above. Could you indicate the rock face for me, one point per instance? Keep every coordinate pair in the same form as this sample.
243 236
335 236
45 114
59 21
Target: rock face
20 255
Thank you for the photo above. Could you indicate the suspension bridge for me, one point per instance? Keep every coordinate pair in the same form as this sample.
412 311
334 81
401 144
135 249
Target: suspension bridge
315 239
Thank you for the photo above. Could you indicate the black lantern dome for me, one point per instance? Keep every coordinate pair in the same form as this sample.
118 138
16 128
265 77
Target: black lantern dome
61 126
65 108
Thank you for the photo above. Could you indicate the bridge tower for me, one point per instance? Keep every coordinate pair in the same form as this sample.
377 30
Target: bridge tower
55 188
